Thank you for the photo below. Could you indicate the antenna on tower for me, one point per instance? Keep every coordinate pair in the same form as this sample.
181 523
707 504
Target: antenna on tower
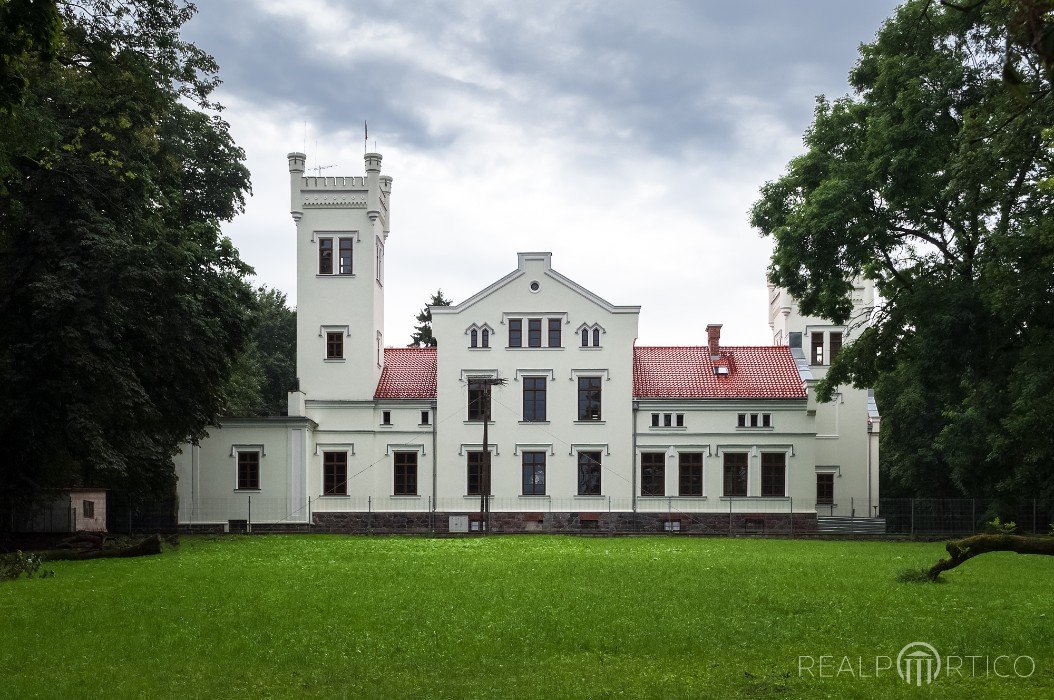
319 168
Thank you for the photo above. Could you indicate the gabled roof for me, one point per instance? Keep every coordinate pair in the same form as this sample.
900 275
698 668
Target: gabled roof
409 373
688 373
545 259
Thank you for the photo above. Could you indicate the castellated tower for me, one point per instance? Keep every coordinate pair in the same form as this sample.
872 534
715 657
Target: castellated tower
341 227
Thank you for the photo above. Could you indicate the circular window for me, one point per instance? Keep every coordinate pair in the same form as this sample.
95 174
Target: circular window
535 286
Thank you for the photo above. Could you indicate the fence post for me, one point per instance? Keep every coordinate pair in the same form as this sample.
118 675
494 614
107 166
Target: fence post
729 516
249 517
913 518
310 520
792 515
369 514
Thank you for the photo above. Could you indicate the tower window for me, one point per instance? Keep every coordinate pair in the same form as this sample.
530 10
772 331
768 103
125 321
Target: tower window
325 256
345 256
380 262
334 345
426 417
386 417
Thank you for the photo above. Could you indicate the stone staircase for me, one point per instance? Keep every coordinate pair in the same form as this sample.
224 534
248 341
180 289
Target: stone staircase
842 525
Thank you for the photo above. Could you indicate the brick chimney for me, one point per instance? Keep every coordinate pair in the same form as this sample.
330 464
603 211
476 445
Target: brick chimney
713 339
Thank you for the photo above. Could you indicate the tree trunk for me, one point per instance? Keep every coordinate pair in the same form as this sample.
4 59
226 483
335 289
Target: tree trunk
969 547
151 545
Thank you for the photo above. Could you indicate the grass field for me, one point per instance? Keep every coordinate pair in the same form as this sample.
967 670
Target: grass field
526 616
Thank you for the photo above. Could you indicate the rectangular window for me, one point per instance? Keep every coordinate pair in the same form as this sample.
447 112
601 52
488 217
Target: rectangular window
672 526
555 330
484 338
334 473
653 474
345 256
817 348
773 474
249 470
589 398
753 420
89 509
655 420
515 333
766 420
533 473
476 465
735 474
335 345
325 256
380 262
386 417
825 489
836 345
478 402
680 420
405 474
534 398
667 420
426 417
589 473
534 332
690 473
742 422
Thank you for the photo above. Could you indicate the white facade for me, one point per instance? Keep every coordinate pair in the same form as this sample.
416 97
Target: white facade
582 421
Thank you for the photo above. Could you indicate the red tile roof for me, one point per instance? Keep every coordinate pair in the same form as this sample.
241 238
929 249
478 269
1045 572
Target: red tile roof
688 373
409 373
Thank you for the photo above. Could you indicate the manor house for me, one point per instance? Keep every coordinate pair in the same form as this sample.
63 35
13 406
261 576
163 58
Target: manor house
583 427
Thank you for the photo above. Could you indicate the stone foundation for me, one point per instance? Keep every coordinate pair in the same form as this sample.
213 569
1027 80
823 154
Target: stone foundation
783 524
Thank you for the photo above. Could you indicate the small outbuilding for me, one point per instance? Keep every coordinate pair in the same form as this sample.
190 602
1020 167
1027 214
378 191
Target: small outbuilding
70 510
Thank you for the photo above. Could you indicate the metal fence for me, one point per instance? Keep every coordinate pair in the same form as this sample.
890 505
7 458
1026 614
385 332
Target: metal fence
798 517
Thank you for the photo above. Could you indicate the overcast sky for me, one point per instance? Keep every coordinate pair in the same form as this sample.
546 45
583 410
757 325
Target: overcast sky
628 138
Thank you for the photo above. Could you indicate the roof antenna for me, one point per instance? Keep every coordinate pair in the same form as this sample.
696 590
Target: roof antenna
319 168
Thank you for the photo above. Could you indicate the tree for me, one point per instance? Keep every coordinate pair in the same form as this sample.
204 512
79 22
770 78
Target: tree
927 180
122 306
422 336
266 370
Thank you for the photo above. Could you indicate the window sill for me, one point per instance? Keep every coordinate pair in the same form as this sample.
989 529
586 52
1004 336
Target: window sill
755 498
475 496
589 422
533 422
478 348
424 425
544 495
386 425
527 347
334 495
334 360
333 275
591 347
246 490
584 496
755 429
478 422
668 428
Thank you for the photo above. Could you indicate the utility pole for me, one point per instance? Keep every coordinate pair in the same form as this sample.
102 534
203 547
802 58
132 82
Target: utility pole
484 384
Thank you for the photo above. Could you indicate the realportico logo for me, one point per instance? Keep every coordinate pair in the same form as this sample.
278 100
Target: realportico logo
913 658
917 664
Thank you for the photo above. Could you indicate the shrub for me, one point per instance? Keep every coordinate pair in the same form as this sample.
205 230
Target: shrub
996 526
23 564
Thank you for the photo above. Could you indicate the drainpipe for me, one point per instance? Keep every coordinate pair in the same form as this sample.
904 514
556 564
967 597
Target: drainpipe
870 437
633 459
432 407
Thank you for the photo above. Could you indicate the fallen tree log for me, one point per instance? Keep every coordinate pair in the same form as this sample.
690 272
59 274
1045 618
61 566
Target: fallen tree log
970 547
143 548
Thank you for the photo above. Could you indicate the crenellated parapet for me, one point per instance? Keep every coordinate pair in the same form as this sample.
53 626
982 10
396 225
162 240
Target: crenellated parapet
369 192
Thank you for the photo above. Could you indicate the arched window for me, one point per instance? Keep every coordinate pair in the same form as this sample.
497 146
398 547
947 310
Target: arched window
596 337
585 337
486 338
473 338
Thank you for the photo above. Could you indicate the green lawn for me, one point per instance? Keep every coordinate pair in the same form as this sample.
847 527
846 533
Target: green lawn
524 616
